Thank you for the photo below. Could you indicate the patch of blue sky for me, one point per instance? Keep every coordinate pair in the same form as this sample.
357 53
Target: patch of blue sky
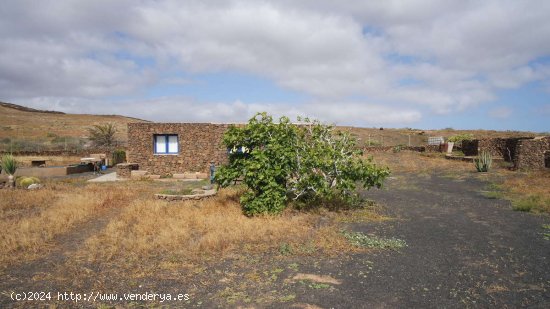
399 58
540 60
525 107
140 61
369 30
225 87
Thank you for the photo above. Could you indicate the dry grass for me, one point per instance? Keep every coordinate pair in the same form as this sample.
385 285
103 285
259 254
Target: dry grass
36 126
393 137
529 191
30 220
414 162
212 227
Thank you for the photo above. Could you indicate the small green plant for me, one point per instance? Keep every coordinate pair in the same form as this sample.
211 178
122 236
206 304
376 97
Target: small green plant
546 234
396 149
494 191
318 286
461 137
186 191
285 249
25 182
119 156
483 162
370 241
287 298
531 203
493 194
8 164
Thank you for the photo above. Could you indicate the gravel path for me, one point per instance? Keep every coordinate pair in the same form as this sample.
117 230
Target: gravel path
464 250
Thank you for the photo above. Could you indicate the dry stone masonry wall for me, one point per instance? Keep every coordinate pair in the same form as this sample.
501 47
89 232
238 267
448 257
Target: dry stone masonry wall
524 152
198 145
532 153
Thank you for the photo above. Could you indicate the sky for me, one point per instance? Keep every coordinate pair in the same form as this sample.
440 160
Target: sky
421 64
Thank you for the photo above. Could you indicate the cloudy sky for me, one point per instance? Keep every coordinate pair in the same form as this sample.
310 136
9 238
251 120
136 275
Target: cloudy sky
422 64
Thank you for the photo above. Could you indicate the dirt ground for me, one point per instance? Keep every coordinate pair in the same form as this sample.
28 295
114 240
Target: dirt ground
463 250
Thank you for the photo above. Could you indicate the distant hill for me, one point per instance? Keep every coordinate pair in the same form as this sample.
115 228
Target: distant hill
20 123
30 127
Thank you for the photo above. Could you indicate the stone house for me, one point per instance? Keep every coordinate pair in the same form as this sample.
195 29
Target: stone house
523 152
174 148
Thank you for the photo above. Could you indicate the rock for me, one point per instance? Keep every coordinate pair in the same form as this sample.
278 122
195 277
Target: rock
207 187
189 175
202 175
34 186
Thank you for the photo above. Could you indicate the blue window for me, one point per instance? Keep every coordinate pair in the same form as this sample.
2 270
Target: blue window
166 144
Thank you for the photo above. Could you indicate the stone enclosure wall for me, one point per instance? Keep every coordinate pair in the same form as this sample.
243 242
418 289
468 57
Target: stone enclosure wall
532 153
524 152
199 144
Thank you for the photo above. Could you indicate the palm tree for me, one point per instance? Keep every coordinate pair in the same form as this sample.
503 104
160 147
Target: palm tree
102 135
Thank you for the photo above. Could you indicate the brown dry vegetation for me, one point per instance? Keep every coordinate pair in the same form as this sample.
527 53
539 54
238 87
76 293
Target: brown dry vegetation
35 126
212 227
414 162
393 137
144 227
30 220
27 125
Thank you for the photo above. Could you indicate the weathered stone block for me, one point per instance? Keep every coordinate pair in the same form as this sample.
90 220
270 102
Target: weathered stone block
138 174
189 175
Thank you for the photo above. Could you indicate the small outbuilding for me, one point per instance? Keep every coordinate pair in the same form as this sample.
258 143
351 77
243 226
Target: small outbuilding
176 148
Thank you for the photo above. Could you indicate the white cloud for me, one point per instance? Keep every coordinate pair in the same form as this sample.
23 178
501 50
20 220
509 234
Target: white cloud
395 55
180 109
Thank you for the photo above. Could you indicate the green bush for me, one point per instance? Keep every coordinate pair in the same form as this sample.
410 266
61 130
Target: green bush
461 137
119 156
25 182
283 162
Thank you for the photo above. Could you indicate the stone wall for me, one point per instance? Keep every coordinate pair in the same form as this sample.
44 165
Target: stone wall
524 152
376 149
124 170
504 148
470 147
532 153
199 144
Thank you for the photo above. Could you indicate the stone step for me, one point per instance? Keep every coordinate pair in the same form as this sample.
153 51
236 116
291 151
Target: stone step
138 174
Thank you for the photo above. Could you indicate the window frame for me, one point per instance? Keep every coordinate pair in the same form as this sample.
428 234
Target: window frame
166 143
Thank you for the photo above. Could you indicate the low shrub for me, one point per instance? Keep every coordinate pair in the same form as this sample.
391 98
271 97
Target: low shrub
457 139
185 191
25 182
119 156
533 203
